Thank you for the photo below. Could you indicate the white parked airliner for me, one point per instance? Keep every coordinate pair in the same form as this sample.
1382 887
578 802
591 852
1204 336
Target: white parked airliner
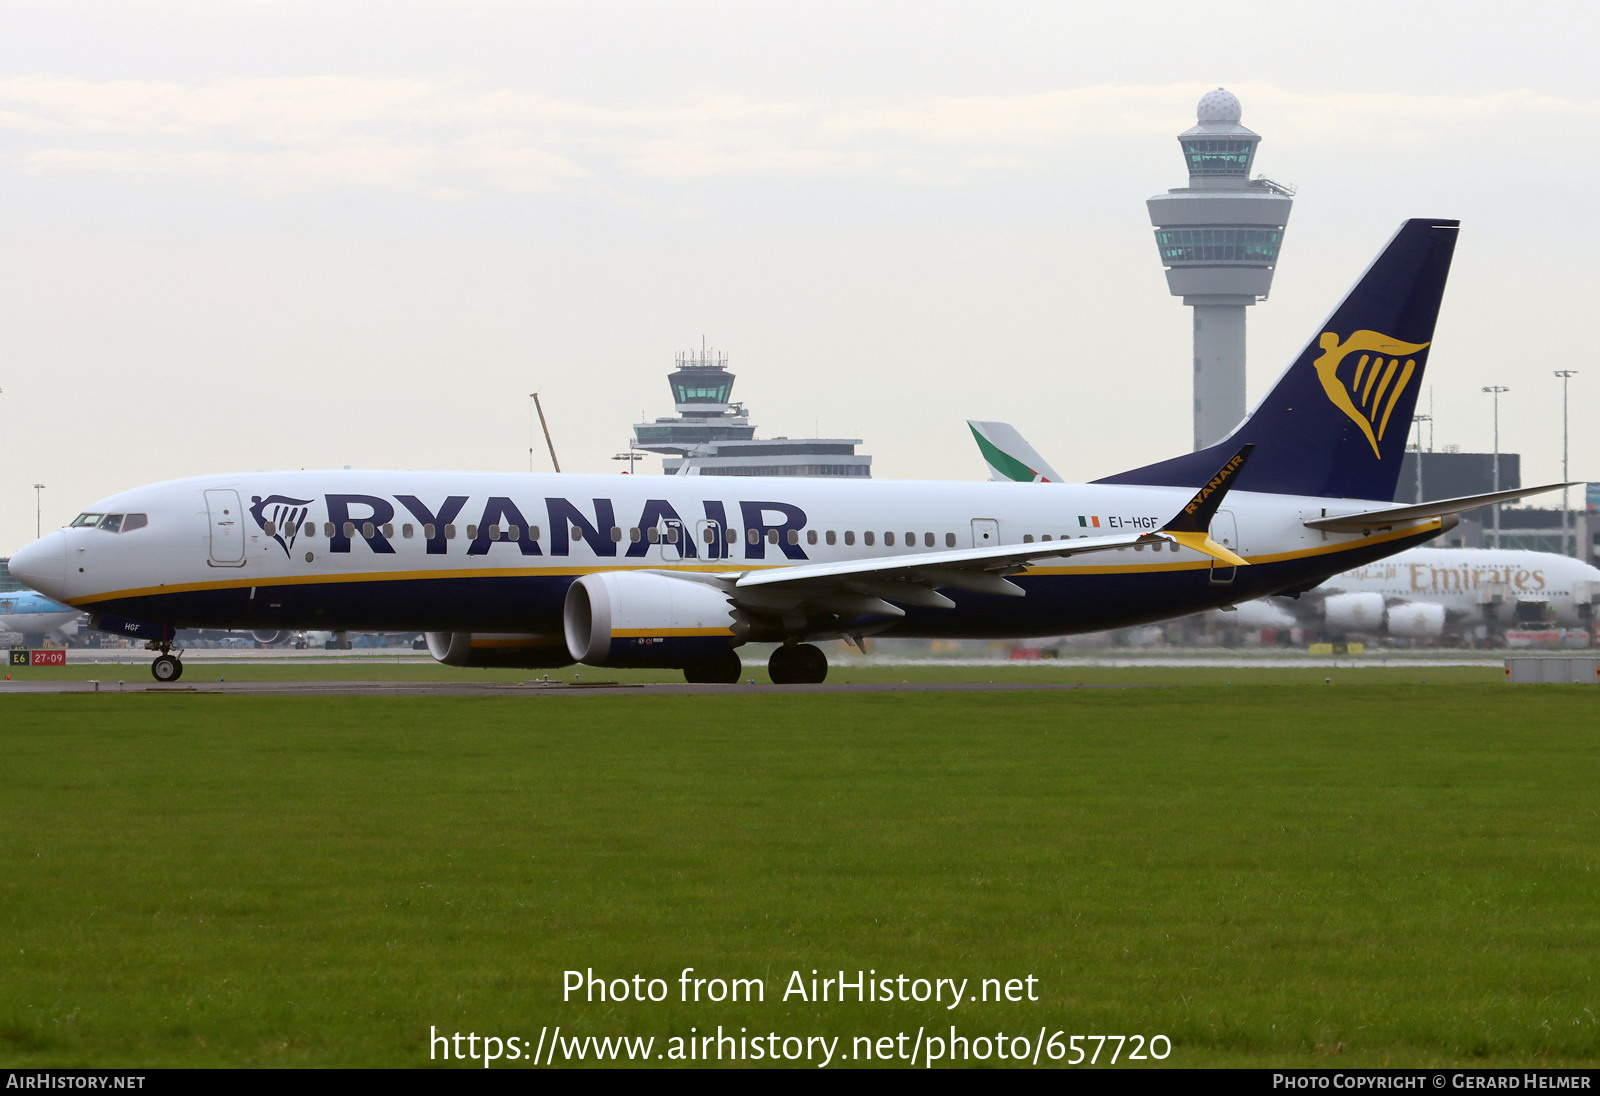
537 571
1424 593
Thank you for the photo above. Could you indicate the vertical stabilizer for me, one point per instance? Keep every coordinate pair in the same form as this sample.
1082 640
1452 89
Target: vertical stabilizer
1009 456
1336 423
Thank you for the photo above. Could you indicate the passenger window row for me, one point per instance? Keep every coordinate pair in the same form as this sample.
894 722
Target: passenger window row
869 538
668 535
1172 545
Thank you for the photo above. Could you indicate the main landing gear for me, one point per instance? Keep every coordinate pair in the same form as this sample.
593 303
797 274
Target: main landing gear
791 664
167 667
798 664
724 669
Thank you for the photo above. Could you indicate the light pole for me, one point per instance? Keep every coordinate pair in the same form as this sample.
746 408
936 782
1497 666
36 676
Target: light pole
539 407
1566 510
38 510
631 457
1495 390
1419 420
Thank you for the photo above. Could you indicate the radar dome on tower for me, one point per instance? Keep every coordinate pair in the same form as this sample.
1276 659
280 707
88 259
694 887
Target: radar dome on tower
1221 105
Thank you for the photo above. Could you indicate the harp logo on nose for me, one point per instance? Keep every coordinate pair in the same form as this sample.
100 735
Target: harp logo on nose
280 517
1364 377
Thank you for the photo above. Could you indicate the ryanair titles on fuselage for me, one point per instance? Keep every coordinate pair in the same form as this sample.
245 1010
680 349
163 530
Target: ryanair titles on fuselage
353 517
761 529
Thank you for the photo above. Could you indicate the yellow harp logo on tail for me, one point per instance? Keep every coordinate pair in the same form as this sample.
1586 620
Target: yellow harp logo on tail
1369 390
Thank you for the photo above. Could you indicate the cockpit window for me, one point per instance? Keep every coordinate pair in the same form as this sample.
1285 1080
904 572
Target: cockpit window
110 523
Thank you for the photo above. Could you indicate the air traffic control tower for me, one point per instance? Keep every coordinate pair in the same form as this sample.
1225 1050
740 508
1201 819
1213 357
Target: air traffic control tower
1219 239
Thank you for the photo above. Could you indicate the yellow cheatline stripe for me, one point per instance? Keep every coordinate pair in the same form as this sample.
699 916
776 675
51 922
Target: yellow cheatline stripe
712 568
402 576
1330 549
648 633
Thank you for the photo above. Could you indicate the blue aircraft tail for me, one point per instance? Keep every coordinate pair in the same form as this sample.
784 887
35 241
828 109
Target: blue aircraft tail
1336 423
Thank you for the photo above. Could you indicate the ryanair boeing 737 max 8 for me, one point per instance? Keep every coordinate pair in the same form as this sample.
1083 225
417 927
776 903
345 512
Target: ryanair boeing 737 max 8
544 570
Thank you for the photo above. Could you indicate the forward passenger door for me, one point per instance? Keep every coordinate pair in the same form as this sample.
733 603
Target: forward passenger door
227 528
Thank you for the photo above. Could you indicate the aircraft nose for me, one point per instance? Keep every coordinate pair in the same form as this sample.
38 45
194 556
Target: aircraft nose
42 565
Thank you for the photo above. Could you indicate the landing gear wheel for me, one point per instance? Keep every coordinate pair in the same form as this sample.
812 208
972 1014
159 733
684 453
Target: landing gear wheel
798 664
724 669
166 669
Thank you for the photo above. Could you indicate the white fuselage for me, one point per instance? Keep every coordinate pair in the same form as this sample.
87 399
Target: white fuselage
496 551
1480 585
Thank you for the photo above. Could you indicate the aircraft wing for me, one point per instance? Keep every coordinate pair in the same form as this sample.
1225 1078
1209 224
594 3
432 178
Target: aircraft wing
869 585
915 578
1394 515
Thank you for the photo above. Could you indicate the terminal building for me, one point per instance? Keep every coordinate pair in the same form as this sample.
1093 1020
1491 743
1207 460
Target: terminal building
711 435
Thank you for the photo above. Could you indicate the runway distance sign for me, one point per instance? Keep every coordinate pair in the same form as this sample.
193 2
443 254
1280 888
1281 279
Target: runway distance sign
21 656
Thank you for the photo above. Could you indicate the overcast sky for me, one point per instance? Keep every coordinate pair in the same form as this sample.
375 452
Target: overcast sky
280 234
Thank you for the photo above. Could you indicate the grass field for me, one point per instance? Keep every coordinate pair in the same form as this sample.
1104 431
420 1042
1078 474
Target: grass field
1368 670
1300 874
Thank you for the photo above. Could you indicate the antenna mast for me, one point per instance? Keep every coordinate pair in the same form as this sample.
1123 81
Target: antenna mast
546 428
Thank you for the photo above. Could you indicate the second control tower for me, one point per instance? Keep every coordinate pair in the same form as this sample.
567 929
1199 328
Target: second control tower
1219 239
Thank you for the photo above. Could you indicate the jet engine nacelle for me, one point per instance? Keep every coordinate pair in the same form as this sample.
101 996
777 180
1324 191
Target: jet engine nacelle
267 639
482 650
1356 612
623 618
1417 620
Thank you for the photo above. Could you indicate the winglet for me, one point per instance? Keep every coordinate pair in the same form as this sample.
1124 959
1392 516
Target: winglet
1191 526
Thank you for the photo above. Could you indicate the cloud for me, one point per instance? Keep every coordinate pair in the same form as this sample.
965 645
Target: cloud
449 137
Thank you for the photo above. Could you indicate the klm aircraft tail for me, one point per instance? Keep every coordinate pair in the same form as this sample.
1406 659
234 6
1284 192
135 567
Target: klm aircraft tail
1335 424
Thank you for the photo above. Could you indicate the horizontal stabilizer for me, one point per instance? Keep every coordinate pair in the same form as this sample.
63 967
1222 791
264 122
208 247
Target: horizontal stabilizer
1368 520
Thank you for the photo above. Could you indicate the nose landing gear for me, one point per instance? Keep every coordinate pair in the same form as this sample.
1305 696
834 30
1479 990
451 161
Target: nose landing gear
168 667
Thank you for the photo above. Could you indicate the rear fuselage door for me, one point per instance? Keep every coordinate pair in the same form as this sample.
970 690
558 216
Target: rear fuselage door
227 528
1225 531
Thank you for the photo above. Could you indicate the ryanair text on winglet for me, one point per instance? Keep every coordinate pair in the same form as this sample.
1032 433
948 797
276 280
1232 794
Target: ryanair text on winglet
1216 482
